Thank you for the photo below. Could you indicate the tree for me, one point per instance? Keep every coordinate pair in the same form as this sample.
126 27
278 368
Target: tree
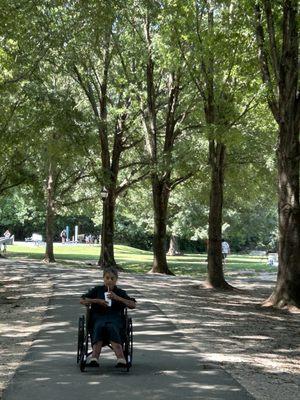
158 77
21 50
40 115
215 45
277 34
56 126
91 61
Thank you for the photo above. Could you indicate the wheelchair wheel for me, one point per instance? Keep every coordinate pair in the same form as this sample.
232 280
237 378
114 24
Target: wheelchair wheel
82 362
80 343
128 351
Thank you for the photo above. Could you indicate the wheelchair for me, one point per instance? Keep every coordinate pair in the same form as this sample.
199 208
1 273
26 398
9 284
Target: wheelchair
84 339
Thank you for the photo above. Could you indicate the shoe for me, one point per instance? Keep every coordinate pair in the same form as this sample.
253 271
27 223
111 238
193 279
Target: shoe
92 362
121 363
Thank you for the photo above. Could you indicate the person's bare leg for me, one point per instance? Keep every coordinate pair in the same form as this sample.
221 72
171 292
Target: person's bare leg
117 348
97 347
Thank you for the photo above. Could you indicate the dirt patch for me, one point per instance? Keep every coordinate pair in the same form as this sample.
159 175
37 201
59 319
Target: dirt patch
259 346
24 294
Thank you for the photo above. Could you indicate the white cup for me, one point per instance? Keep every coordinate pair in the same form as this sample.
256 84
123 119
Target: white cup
107 299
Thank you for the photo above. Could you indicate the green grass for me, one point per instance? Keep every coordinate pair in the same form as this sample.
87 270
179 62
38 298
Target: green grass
138 261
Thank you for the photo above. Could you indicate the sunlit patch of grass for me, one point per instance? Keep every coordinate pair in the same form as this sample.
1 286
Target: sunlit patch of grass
138 261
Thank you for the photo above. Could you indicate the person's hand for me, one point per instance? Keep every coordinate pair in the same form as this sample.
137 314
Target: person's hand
102 303
86 302
112 296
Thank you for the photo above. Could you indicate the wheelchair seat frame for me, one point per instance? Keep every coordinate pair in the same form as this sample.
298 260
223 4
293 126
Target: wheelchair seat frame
84 338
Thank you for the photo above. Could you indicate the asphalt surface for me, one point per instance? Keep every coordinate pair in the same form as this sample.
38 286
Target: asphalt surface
165 364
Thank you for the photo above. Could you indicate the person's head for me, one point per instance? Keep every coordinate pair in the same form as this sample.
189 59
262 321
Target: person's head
110 277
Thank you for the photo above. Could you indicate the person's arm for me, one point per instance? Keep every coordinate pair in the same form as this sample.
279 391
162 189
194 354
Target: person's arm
86 301
91 297
128 302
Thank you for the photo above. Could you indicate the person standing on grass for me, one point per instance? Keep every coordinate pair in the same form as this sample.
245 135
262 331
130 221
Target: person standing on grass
225 250
63 235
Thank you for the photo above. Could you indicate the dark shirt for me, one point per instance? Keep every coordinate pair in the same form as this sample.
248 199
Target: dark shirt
116 306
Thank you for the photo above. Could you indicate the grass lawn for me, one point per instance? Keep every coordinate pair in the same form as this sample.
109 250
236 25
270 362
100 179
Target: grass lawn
139 261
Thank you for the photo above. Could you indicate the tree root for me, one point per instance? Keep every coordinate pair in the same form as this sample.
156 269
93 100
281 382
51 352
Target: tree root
168 272
116 266
221 286
273 302
47 260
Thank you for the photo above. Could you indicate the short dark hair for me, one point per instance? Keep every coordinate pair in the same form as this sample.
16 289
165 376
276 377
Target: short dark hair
111 270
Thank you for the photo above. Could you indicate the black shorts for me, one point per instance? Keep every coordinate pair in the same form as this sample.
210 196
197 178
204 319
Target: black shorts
224 255
105 330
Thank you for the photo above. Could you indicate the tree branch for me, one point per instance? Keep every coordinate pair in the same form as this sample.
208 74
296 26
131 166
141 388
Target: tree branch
264 65
5 188
73 182
126 184
76 201
272 39
246 109
182 179
87 90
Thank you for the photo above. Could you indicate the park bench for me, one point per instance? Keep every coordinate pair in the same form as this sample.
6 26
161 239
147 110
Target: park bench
258 253
36 238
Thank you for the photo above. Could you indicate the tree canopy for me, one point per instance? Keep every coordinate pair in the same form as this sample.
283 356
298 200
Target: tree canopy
174 107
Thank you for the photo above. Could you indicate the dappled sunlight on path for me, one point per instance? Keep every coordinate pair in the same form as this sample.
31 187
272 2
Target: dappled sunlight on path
183 332
165 364
23 299
260 346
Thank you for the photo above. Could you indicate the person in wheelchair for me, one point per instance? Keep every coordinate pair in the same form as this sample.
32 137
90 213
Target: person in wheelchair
107 304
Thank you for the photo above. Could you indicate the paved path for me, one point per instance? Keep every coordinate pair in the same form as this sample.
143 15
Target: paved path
165 365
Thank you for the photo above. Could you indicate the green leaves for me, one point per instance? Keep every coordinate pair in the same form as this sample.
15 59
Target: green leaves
47 113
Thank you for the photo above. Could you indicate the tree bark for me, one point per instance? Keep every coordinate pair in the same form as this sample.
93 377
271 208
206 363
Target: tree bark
107 258
160 206
217 151
110 171
215 275
284 102
287 290
160 125
173 246
50 215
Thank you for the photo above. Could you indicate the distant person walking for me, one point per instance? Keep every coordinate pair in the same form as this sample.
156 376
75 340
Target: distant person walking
63 235
225 250
7 234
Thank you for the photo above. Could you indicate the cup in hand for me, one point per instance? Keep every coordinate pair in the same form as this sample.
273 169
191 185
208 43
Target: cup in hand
107 299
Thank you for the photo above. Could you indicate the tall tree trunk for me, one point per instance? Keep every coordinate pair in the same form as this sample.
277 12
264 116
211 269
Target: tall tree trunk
159 144
160 206
107 258
173 246
217 151
215 276
280 72
287 290
50 215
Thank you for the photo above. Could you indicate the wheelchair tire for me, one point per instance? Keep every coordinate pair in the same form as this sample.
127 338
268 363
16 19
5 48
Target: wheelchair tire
80 343
82 362
129 344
